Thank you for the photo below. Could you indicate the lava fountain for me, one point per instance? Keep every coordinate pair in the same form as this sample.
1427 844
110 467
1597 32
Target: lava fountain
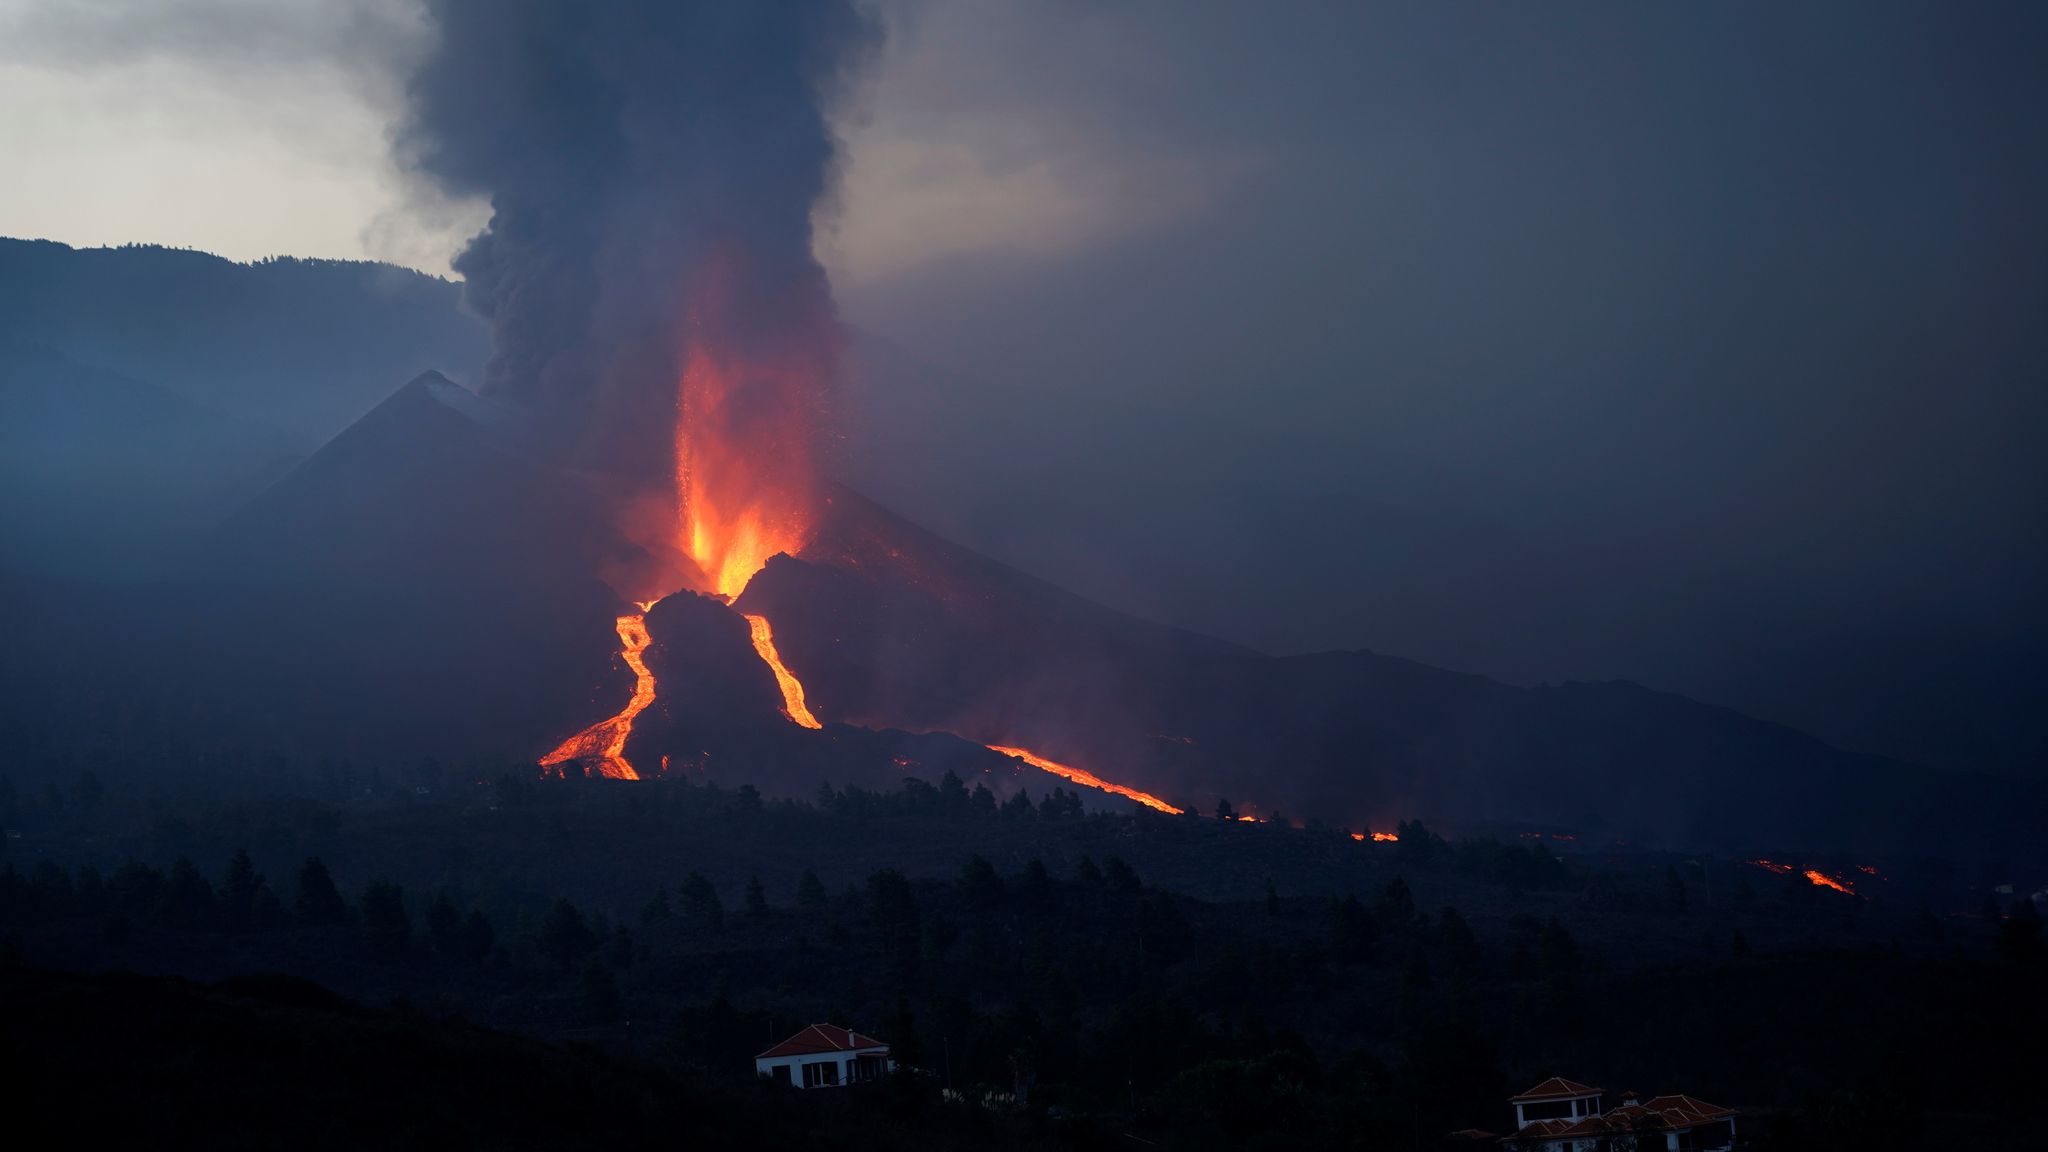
748 407
748 410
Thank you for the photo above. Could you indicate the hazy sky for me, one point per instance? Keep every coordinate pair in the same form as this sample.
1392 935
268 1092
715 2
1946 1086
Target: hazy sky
252 128
1695 343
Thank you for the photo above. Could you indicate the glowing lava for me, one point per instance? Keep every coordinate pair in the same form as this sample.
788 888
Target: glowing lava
792 689
1088 778
604 743
1816 876
747 412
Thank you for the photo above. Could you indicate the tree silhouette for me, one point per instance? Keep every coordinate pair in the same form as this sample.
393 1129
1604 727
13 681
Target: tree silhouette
318 901
238 893
564 937
701 903
385 921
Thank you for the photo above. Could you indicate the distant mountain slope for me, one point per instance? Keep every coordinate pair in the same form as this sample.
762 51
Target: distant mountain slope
415 587
909 631
422 496
104 475
303 345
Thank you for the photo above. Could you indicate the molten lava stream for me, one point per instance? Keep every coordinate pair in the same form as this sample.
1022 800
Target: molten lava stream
605 741
1088 778
793 706
1821 879
792 689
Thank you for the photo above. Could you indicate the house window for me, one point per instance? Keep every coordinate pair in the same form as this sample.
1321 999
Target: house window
823 1074
866 1068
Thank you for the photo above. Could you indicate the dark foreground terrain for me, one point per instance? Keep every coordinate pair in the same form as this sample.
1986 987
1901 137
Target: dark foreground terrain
471 957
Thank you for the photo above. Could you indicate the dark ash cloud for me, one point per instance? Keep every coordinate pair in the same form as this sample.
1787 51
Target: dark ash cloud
623 146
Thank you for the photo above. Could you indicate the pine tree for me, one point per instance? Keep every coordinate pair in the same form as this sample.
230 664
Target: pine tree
980 884
385 920
318 901
564 937
757 898
701 903
444 925
1396 903
1353 934
238 893
1119 874
1456 937
810 892
601 1000
474 942
188 900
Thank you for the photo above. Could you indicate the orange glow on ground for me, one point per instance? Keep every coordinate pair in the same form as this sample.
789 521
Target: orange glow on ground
604 743
792 689
1088 778
1385 837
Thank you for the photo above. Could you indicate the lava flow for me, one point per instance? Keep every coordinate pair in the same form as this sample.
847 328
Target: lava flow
604 743
1814 876
744 484
1088 778
792 689
1822 879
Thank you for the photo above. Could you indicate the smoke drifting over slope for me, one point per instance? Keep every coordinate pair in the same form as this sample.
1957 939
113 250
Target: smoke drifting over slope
652 168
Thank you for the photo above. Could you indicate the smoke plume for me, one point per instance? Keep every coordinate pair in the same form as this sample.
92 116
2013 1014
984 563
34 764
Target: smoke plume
652 167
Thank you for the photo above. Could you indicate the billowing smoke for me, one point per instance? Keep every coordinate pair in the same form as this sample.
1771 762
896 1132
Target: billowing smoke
652 168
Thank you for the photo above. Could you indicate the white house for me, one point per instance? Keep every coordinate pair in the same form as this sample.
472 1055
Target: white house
1561 1115
825 1056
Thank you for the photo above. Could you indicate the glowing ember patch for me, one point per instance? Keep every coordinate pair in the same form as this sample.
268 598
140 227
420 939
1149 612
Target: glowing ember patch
792 689
1816 876
1385 837
604 743
1088 778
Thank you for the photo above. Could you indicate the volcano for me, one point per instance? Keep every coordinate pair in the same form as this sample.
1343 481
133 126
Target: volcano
429 582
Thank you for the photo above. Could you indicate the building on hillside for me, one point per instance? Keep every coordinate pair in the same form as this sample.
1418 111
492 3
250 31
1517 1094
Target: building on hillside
1562 1115
825 1056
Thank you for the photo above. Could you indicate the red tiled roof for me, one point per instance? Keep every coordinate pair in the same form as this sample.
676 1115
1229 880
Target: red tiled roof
1555 1088
1663 1114
822 1038
1472 1134
1684 1107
